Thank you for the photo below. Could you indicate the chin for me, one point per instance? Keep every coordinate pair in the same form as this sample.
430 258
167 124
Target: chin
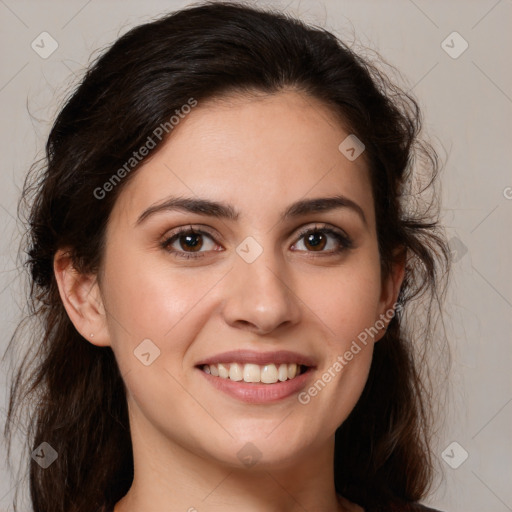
261 451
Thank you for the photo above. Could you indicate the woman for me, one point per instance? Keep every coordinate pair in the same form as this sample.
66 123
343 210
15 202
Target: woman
222 248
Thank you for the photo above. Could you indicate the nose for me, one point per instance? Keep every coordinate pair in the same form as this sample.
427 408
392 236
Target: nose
260 296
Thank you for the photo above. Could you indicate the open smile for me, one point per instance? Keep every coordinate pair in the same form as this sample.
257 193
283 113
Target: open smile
255 377
254 373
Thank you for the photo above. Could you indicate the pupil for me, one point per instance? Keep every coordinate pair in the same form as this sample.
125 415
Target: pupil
311 240
189 241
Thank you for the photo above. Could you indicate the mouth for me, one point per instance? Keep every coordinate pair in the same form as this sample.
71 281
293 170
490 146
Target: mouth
254 373
257 377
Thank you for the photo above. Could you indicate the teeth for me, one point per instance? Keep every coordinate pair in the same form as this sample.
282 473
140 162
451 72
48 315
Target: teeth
252 373
282 373
268 373
235 371
223 371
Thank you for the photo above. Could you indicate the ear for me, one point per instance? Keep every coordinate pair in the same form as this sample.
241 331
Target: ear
80 294
391 285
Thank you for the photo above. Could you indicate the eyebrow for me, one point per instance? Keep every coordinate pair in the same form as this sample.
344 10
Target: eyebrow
226 211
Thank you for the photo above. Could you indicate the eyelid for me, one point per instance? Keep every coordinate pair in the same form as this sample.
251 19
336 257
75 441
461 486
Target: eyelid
319 226
188 228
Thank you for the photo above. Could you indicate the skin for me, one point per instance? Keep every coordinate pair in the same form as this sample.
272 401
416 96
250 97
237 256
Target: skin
259 154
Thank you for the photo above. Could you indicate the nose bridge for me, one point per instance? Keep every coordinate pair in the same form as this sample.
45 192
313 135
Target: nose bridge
260 293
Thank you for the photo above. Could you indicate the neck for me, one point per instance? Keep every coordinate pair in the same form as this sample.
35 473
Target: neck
169 477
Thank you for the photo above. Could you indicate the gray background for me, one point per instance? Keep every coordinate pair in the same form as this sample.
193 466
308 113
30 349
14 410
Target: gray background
467 103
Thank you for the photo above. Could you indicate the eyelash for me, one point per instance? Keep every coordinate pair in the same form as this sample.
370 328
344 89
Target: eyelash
344 241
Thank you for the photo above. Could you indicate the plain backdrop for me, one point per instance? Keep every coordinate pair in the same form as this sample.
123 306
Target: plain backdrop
466 97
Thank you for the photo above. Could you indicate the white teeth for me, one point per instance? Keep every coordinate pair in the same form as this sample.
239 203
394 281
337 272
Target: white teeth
235 372
283 372
252 373
223 371
268 374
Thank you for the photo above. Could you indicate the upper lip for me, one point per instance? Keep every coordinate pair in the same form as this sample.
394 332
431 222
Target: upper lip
260 358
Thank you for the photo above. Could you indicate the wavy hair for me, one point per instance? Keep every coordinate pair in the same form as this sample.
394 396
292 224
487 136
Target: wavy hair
71 392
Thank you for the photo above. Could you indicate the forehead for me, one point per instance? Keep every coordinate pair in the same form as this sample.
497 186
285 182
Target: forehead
257 152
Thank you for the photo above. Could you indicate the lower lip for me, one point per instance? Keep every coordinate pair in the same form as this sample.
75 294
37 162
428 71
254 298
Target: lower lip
259 393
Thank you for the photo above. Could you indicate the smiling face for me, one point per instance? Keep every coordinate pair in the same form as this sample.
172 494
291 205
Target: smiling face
252 291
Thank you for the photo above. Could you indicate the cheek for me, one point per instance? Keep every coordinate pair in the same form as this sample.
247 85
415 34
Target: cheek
146 299
141 297
346 306
346 301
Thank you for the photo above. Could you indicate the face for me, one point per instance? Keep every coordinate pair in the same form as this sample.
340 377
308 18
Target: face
245 281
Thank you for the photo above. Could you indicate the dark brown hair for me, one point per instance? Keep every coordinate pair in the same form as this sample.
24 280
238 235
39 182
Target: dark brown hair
72 392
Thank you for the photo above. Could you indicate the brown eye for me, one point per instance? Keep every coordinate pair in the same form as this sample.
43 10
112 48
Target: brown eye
187 243
318 239
193 241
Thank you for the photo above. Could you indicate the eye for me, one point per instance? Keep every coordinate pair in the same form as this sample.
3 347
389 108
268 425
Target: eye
318 238
187 243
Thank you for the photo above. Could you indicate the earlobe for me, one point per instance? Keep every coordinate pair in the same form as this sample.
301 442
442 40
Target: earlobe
81 297
390 291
